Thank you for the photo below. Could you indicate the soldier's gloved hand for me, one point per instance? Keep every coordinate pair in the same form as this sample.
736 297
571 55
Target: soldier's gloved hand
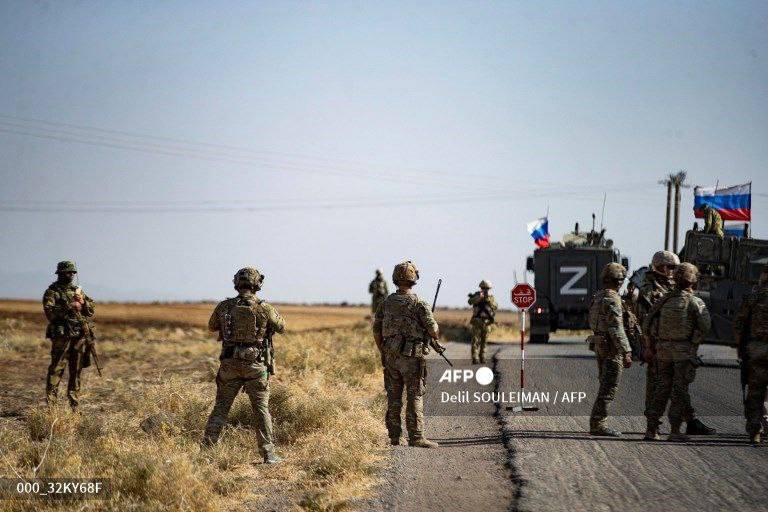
627 362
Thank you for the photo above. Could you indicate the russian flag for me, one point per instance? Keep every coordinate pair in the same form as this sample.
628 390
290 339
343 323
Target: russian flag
539 230
733 203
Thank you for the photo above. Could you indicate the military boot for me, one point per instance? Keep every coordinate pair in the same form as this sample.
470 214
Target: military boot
272 458
422 442
676 435
394 441
696 428
652 434
604 432
755 438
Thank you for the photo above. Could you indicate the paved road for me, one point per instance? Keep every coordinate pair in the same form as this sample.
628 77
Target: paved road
499 460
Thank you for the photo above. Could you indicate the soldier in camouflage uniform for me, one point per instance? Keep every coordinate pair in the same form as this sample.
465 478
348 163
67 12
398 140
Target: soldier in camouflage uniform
378 290
713 221
659 281
484 308
403 329
675 327
67 309
610 343
751 333
245 325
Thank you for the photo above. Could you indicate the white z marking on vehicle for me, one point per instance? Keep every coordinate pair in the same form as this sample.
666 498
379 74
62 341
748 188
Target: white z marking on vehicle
578 273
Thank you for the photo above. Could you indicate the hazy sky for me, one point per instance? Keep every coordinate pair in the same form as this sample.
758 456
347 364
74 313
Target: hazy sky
318 141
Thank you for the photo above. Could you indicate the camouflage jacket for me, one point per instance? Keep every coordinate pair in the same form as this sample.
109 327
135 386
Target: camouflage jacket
654 287
751 323
680 316
483 308
405 324
268 320
378 288
606 318
64 321
713 222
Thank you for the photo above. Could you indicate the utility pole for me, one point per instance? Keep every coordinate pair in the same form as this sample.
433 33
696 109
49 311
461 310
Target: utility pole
668 182
678 180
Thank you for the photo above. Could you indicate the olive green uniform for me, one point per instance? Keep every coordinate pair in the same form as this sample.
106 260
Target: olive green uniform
378 290
713 222
610 341
244 323
751 331
405 324
483 316
677 323
68 330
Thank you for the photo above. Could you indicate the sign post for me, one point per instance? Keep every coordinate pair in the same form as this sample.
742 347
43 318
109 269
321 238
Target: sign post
523 297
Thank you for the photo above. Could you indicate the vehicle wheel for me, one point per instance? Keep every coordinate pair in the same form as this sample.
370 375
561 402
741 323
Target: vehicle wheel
540 337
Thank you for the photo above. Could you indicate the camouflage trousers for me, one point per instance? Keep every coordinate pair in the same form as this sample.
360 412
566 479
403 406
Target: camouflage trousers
480 332
651 375
65 352
754 405
234 375
609 368
673 376
403 373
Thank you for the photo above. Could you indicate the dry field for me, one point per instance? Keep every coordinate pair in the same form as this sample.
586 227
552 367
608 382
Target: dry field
159 361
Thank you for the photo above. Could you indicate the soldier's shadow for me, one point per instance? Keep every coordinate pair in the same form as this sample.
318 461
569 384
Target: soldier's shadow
719 440
470 441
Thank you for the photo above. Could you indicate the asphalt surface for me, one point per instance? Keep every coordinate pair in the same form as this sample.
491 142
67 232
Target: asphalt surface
496 459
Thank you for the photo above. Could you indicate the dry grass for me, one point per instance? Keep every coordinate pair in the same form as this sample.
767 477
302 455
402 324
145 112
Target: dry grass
326 404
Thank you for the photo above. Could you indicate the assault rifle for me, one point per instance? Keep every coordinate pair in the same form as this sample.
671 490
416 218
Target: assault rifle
90 347
433 342
269 352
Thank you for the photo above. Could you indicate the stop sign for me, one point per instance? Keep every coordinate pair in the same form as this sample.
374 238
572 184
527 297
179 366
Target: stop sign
523 296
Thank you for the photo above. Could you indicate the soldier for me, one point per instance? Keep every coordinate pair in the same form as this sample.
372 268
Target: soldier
750 331
484 308
713 222
403 329
378 290
658 281
245 325
67 309
610 343
675 326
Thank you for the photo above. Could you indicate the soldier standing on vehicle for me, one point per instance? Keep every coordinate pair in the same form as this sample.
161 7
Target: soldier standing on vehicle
245 325
750 331
610 343
675 326
484 308
67 309
713 221
378 290
659 281
403 329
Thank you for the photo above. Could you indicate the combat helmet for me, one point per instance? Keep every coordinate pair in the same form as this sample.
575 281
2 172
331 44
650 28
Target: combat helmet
405 271
485 285
248 277
613 272
665 258
687 273
66 266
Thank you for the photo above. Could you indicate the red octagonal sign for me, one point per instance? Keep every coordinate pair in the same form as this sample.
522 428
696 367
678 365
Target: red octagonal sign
523 296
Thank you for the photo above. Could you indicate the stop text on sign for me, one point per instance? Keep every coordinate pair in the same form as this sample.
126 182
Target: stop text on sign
523 296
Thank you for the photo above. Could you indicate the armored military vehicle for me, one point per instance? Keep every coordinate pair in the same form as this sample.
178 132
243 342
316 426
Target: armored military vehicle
730 266
566 275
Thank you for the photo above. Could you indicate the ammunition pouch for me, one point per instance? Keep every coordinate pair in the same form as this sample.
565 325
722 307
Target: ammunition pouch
248 352
73 329
403 346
